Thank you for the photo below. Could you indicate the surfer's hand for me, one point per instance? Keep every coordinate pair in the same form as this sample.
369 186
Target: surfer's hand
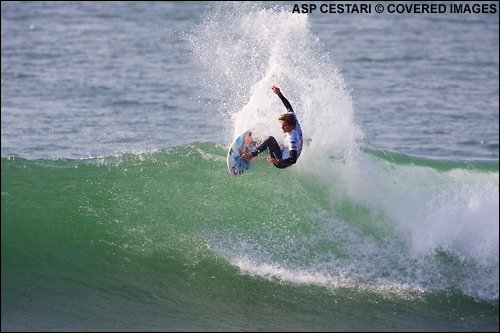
246 156
273 160
276 90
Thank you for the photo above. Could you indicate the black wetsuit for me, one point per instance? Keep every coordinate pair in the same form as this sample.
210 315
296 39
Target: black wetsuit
274 148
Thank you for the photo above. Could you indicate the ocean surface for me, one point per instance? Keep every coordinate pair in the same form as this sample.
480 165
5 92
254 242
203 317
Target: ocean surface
118 212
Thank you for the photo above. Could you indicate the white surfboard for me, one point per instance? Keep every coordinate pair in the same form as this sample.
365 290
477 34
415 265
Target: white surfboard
235 163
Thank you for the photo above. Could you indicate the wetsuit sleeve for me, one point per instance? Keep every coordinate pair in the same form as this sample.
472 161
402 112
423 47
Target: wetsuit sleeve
285 163
285 102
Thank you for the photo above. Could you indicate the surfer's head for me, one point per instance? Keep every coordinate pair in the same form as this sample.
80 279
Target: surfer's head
288 122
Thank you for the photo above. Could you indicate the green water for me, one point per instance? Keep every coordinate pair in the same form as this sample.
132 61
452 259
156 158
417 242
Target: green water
168 240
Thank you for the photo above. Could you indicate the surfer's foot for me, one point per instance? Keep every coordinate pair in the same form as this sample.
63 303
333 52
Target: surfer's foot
246 156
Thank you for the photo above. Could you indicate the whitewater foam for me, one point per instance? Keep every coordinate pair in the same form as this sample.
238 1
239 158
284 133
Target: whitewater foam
400 219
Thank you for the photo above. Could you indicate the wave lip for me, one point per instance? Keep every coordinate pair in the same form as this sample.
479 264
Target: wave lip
440 164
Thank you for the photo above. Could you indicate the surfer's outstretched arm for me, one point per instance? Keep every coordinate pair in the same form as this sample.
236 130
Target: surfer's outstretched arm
287 104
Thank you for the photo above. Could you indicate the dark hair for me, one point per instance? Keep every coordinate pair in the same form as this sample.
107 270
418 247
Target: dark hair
289 119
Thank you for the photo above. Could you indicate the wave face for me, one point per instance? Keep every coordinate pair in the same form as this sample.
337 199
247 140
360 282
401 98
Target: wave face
390 227
168 239
378 219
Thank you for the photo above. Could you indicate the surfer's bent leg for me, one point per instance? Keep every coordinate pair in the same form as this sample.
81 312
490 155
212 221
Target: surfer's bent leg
272 144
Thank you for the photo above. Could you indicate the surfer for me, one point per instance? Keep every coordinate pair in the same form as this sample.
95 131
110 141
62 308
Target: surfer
292 146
